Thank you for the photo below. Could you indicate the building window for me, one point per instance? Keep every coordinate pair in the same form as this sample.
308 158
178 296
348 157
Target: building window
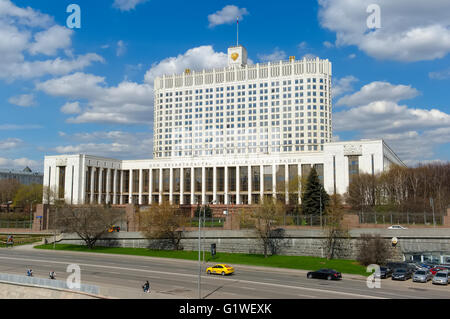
353 167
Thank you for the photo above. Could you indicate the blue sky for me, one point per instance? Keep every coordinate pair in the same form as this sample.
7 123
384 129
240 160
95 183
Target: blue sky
89 90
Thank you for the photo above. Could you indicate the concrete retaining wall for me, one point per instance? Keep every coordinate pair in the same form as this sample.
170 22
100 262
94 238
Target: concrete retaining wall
294 242
15 291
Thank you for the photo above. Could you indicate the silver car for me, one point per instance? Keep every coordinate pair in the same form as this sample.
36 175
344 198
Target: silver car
441 278
422 275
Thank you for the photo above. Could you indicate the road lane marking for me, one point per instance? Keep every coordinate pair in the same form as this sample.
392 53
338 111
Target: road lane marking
195 276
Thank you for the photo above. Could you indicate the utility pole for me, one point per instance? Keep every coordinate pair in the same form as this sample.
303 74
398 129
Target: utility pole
320 208
199 256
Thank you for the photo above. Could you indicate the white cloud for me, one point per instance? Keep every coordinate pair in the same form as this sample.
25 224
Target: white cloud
302 46
343 85
10 143
24 31
203 57
71 108
26 16
227 15
410 30
275 56
379 91
128 102
413 133
440 75
352 56
328 44
49 41
115 144
24 100
19 163
127 5
121 48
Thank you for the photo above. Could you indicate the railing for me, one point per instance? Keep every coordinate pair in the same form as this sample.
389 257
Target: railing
209 222
25 224
304 220
46 283
400 218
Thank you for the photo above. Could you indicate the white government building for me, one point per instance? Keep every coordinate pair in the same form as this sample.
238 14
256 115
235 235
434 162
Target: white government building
228 136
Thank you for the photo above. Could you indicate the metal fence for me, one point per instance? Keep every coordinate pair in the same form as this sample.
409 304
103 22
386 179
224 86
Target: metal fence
43 282
304 220
209 222
15 224
394 218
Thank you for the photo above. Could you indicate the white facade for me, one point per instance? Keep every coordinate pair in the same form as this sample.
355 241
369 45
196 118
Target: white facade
273 108
228 136
90 179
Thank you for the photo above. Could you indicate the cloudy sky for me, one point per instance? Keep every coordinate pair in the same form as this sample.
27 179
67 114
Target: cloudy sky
90 90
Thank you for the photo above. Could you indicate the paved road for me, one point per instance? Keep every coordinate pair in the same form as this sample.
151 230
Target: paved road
122 276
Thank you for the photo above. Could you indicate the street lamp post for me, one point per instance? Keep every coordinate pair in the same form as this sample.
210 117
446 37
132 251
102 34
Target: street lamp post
320 209
199 259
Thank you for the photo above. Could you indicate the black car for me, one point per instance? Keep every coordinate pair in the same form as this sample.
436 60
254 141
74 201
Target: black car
329 274
402 274
385 272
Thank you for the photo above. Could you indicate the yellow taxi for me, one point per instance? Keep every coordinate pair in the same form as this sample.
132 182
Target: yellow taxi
220 269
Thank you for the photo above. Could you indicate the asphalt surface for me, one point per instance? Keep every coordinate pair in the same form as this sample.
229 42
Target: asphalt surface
122 277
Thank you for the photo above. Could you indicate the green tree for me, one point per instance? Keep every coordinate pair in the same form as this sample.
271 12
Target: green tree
28 194
314 195
199 210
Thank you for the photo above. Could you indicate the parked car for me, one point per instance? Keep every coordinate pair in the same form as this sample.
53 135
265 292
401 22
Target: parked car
329 274
397 227
441 278
385 272
401 274
422 275
437 269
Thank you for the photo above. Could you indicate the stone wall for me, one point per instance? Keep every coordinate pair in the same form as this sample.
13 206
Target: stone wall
293 242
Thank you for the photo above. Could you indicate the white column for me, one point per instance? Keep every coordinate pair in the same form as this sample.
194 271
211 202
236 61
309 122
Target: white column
114 201
261 182
130 187
215 184
286 182
226 185
249 185
141 185
192 186
204 185
160 185
274 181
121 188
91 200
171 185
181 186
108 186
100 185
238 186
150 186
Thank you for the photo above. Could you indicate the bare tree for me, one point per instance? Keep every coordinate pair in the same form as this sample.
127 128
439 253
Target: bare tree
89 222
373 250
164 222
267 216
337 237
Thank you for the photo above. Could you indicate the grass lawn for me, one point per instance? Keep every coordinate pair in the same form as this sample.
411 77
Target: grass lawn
292 262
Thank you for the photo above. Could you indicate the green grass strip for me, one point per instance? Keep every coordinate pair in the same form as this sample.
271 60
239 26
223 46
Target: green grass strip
290 262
